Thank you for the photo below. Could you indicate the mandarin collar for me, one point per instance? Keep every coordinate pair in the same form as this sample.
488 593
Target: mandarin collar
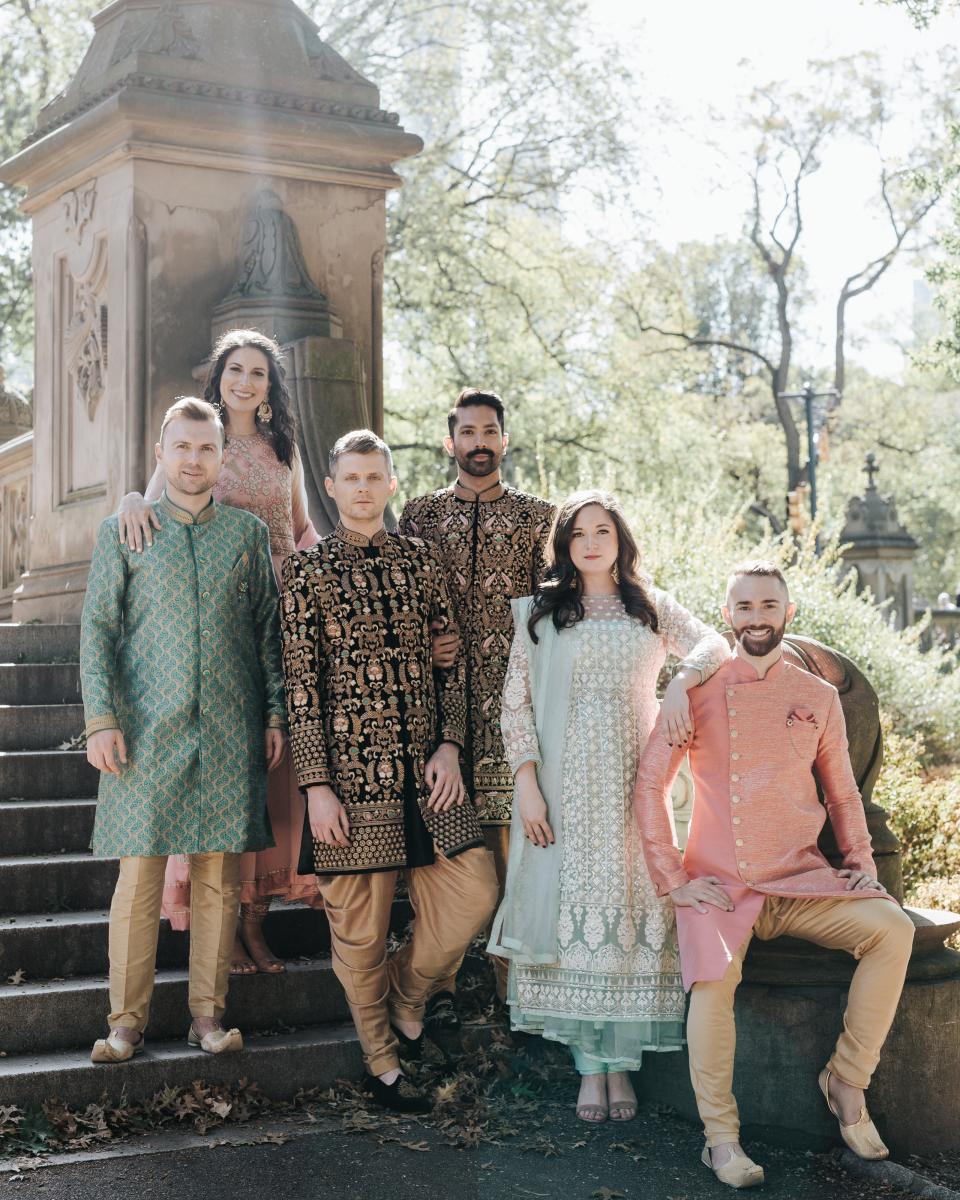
482 499
183 515
352 538
745 672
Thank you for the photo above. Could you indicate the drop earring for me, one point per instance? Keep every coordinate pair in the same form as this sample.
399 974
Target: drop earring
615 572
264 412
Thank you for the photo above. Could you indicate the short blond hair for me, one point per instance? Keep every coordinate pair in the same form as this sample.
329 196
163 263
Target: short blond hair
360 441
191 408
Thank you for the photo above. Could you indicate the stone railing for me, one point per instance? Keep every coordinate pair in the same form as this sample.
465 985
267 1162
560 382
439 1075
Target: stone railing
16 499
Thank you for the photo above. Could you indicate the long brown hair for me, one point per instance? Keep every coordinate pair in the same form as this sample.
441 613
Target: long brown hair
560 597
280 429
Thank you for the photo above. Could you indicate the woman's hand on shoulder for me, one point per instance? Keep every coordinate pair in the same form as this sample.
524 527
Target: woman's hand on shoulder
136 520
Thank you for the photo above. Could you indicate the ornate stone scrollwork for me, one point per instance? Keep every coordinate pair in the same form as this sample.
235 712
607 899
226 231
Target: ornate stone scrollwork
85 354
168 33
78 206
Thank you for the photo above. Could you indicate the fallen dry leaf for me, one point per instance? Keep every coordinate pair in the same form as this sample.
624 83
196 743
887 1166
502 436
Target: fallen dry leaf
17 977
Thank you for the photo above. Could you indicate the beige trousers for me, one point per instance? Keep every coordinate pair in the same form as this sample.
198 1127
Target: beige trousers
452 901
135 925
876 932
498 843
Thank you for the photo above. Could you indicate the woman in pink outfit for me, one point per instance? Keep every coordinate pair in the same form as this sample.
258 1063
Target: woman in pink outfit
262 472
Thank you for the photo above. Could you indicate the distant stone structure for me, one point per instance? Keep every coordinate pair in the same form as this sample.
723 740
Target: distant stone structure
212 163
16 412
879 549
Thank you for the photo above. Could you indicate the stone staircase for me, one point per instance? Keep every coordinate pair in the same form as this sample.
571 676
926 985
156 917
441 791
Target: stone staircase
54 897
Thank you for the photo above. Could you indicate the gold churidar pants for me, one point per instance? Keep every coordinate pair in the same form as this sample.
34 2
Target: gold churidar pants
135 925
498 843
876 932
452 901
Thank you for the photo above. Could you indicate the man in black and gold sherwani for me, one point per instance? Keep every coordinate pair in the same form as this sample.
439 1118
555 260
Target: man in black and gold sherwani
376 736
491 540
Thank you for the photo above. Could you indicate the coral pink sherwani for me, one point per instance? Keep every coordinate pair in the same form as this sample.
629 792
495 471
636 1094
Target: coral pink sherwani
759 747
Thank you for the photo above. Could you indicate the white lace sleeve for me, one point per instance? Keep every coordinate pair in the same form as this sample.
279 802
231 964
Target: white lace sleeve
695 644
516 714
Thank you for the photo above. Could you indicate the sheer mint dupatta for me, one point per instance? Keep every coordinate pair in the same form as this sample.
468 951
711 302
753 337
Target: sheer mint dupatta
525 927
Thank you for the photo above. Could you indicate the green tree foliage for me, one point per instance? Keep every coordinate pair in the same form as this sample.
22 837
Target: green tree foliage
41 42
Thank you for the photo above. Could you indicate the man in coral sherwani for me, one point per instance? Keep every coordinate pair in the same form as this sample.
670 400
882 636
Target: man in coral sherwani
765 732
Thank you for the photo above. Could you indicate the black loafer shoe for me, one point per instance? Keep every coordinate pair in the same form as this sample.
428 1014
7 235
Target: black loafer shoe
410 1048
441 1013
400 1096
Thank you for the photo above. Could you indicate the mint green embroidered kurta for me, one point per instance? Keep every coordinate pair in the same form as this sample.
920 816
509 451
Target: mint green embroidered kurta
180 650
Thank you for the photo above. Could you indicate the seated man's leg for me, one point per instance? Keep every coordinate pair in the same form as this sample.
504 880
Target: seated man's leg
712 1044
214 904
358 911
452 900
134 926
878 933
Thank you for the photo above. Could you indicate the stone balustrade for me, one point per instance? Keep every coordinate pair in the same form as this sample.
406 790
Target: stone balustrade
16 502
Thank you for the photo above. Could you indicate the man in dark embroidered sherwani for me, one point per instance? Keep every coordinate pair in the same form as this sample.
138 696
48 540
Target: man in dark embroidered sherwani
376 736
491 540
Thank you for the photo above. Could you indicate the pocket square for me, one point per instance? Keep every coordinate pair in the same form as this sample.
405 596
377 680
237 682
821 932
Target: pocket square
803 716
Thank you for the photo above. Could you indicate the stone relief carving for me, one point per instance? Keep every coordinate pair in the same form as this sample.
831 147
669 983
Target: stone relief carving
78 206
84 352
168 33
328 64
272 262
16 504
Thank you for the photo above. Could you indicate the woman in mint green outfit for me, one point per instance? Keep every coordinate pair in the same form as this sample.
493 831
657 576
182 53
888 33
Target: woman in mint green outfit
592 949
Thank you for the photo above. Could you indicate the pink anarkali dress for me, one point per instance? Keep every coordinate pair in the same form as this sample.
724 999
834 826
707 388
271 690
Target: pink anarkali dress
252 477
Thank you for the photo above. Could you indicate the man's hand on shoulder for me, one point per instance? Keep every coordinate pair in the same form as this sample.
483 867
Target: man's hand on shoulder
700 892
329 822
105 748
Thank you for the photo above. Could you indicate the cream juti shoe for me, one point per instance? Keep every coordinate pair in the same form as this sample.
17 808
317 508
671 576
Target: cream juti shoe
861 1136
216 1041
737 1172
114 1049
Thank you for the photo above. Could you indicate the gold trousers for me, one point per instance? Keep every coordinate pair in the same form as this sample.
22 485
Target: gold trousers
498 843
135 925
876 932
452 901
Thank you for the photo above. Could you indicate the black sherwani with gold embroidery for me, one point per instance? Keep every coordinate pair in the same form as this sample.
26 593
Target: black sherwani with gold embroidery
365 706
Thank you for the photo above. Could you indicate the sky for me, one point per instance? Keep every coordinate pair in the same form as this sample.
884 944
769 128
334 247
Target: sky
691 53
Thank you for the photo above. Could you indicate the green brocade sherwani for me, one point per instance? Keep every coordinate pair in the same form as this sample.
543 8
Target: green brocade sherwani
180 650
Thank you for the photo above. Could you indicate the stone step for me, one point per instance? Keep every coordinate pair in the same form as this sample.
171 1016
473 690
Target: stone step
39 643
281 1064
38 726
63 1014
46 775
50 945
45 826
39 683
55 883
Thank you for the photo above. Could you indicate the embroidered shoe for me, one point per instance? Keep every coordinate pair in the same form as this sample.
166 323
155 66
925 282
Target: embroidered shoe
737 1172
400 1096
862 1136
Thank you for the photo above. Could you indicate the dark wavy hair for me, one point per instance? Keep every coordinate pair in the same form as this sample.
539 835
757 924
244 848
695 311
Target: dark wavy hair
280 429
560 597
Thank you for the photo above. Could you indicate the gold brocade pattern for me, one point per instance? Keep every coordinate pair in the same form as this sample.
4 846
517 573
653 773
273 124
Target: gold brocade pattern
492 551
365 706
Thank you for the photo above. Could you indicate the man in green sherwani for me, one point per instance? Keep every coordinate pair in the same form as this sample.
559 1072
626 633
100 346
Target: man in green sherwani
185 714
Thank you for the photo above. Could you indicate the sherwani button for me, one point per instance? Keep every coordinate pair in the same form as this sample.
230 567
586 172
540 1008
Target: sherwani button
734 757
733 712
735 777
739 841
736 820
733 733
729 691
735 799
742 865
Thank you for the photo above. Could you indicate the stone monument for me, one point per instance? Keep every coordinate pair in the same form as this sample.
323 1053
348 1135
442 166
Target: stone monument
164 185
879 549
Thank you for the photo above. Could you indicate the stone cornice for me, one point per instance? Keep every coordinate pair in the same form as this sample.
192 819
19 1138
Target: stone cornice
257 97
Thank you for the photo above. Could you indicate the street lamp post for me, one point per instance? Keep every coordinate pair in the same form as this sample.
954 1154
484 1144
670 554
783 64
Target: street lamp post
808 395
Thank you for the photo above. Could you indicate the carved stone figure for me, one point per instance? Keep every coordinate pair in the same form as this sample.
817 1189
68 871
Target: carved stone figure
84 353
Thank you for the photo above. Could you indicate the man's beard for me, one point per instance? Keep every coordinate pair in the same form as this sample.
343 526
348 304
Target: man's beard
760 644
479 466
